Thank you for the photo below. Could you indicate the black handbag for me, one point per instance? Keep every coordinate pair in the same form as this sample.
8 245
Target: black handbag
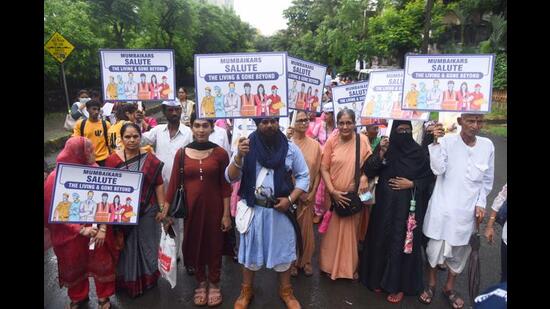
178 207
355 203
502 214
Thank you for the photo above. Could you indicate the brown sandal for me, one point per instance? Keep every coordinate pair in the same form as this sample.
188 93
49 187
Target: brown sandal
104 302
452 297
429 291
214 297
200 297
308 270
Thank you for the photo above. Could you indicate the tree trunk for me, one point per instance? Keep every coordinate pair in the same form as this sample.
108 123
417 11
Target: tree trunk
118 34
427 23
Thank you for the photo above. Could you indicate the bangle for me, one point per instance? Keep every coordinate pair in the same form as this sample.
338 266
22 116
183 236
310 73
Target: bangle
103 230
237 165
492 218
289 199
82 230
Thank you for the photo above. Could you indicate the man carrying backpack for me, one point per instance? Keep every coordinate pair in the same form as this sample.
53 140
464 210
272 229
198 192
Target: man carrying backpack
95 130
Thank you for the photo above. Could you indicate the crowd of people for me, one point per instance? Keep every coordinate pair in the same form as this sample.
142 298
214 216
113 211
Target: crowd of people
380 202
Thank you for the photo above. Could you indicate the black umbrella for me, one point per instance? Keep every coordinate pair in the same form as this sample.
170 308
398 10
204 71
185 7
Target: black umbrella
474 274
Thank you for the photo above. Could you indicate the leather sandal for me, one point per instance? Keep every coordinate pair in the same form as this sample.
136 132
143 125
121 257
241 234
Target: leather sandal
452 297
104 302
429 291
200 297
287 295
214 297
308 270
244 298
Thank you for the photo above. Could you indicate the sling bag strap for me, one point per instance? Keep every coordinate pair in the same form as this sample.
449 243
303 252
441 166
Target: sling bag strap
182 162
104 124
152 187
357 153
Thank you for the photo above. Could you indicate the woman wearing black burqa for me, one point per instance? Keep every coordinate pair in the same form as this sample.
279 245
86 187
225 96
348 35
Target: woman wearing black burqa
404 174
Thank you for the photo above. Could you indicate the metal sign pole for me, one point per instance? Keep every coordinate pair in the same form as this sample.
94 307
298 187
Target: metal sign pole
65 86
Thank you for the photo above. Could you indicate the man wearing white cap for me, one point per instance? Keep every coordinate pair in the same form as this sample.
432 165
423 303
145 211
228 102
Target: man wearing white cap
167 139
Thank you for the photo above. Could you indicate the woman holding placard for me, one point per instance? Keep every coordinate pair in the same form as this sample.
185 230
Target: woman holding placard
137 270
75 261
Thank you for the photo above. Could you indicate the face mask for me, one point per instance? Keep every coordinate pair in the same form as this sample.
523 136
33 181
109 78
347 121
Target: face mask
84 100
232 90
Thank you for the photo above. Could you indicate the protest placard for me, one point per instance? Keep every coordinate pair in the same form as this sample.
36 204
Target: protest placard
243 127
305 84
137 74
454 83
383 98
351 96
244 85
87 194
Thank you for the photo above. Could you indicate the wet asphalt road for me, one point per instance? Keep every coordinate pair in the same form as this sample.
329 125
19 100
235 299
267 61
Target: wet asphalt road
317 291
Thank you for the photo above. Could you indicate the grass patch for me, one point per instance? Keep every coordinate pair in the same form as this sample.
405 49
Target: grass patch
494 129
499 111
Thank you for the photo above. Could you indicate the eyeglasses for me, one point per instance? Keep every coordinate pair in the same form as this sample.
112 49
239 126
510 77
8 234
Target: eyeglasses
269 121
404 130
302 121
347 123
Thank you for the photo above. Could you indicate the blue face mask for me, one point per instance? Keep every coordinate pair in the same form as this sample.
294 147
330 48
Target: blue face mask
232 90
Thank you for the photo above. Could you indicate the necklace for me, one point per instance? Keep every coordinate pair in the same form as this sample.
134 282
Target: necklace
126 161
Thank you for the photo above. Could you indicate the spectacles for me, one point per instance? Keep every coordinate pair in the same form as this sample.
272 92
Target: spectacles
347 123
269 121
404 130
302 121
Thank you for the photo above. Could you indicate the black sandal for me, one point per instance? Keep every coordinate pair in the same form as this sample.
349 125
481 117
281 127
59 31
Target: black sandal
102 303
452 296
430 291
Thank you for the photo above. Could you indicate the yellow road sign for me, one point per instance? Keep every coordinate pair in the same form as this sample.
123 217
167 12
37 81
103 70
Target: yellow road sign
59 47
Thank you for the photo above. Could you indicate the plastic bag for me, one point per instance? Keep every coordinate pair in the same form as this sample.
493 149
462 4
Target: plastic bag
69 122
167 258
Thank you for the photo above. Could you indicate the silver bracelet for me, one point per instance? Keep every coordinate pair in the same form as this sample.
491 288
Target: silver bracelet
290 199
237 165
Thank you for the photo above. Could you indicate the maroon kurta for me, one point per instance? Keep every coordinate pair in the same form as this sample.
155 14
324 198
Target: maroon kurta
203 237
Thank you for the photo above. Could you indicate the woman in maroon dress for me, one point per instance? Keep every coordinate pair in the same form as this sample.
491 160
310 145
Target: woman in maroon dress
75 261
208 195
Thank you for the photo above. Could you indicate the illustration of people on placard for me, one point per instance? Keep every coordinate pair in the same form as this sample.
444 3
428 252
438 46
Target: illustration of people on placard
88 208
379 105
120 88
154 88
315 101
434 95
164 88
464 97
301 97
369 107
477 98
293 94
111 89
127 210
231 101
143 88
74 211
450 97
116 213
274 102
411 97
422 96
248 108
308 99
207 103
260 100
61 212
218 102
131 87
103 213
388 105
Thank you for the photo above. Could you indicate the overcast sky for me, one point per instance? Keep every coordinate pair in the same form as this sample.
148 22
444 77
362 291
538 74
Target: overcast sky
266 15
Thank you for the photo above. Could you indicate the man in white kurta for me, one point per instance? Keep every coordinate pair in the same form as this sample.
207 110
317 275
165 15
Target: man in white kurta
464 166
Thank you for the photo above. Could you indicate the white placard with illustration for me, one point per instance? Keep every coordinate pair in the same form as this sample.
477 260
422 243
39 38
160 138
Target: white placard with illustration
351 96
305 84
85 194
243 127
137 74
383 98
453 83
245 85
